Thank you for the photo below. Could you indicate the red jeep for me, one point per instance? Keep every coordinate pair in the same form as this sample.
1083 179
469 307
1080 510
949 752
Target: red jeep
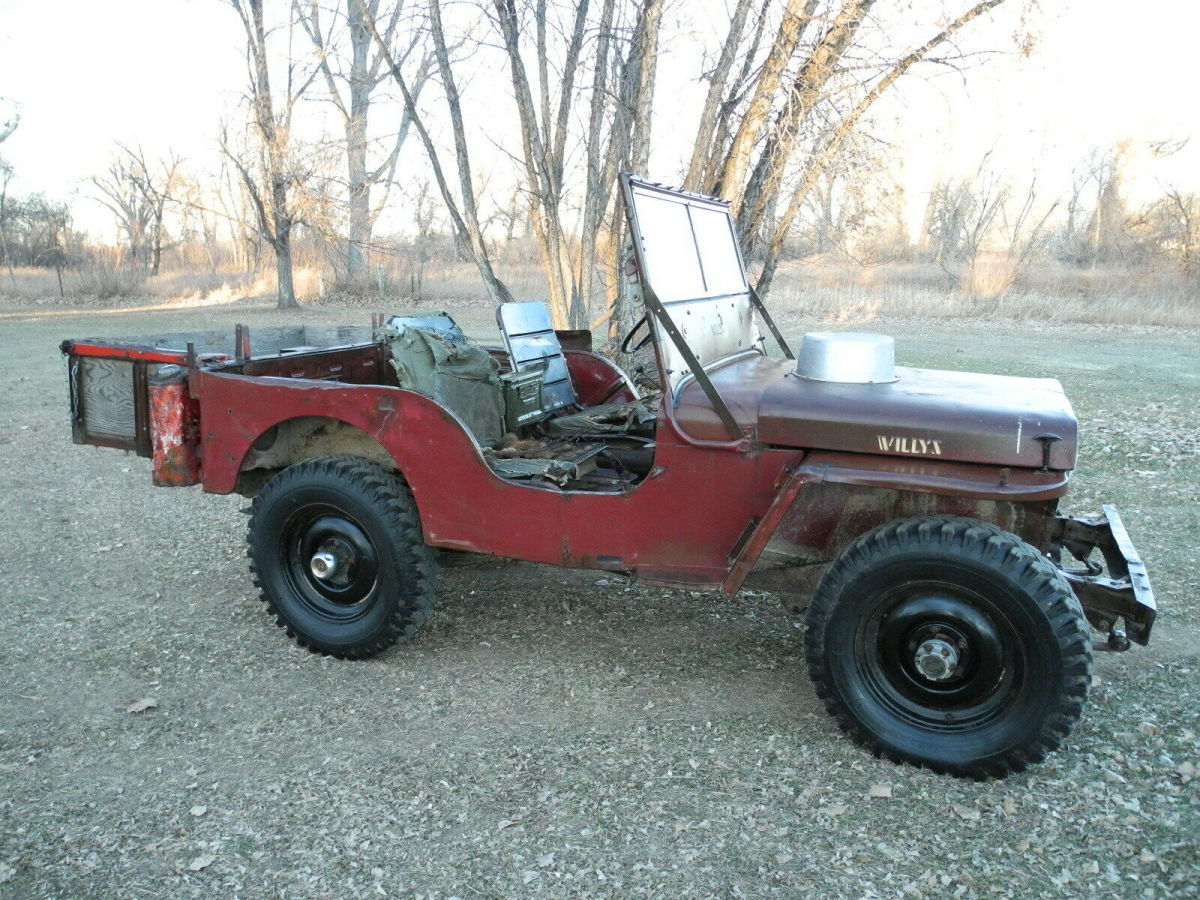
950 603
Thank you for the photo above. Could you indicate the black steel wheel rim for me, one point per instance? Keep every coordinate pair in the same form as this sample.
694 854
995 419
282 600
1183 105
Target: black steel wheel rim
346 592
985 666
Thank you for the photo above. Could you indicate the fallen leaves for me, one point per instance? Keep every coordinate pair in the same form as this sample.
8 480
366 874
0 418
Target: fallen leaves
969 813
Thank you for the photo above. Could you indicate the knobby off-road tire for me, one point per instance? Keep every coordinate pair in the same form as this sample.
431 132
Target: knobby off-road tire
949 643
336 548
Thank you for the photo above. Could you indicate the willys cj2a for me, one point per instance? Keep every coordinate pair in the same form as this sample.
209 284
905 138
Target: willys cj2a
952 607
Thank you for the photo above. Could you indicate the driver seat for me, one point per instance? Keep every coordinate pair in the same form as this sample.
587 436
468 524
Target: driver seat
532 344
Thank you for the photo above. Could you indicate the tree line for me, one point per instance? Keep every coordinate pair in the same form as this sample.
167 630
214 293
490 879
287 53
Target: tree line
783 133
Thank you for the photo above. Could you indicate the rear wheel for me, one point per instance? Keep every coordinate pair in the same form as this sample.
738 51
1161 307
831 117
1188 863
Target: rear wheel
949 643
336 547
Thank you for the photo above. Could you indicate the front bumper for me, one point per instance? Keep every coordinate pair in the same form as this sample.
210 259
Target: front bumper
1117 590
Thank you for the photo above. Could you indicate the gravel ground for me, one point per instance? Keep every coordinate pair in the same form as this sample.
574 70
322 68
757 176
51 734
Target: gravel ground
550 733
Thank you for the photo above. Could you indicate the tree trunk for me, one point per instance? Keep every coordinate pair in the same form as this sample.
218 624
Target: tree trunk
358 227
638 97
5 174
598 189
737 161
358 234
156 252
157 236
834 138
702 147
285 288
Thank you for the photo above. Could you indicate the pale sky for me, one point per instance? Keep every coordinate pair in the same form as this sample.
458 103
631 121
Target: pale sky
163 73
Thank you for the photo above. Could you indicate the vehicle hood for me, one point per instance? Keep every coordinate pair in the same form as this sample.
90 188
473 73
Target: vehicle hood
953 416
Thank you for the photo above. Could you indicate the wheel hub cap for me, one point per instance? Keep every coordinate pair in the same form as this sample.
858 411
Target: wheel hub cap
324 565
936 659
331 559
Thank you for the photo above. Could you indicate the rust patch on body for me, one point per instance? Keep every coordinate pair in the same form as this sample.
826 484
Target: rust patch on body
174 434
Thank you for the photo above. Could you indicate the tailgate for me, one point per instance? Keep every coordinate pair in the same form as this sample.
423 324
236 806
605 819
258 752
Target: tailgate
135 398
109 392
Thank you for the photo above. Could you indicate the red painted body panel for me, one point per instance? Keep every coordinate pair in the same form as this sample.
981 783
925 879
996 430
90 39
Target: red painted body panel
681 525
596 379
117 351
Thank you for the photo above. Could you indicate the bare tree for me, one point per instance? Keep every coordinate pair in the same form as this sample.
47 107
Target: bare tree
702 146
781 142
121 194
1183 211
158 184
543 140
856 207
631 141
6 176
1096 221
544 107
960 216
713 136
1170 227
1026 225
509 216
758 197
199 220
796 15
350 86
272 178
462 208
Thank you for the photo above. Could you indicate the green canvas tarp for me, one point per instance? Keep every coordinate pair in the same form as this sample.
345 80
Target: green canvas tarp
461 377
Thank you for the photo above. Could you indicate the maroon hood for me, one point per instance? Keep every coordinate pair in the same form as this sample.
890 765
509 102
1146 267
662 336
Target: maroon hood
960 416
951 416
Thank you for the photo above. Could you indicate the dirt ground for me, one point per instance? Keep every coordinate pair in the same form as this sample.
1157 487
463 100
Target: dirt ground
550 733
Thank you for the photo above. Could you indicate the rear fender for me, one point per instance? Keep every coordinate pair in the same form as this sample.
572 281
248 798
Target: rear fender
305 437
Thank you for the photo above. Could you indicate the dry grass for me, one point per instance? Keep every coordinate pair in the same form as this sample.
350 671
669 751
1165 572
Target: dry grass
991 288
102 285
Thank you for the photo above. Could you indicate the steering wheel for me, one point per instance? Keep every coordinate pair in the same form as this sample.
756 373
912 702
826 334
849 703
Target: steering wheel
634 330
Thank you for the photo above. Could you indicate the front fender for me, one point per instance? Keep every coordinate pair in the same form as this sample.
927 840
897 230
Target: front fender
829 499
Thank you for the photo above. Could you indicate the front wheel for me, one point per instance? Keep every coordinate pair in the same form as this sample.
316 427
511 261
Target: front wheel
336 547
949 643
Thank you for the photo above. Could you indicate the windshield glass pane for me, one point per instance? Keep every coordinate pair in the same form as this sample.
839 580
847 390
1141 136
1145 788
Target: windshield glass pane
718 252
670 250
